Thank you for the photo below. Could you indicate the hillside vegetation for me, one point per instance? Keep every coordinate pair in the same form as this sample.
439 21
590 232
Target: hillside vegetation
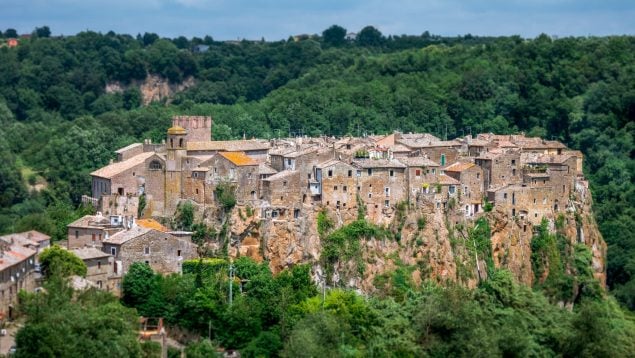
58 123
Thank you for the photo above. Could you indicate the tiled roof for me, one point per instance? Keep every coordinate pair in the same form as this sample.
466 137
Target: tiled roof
427 143
177 130
458 167
228 146
281 175
126 235
33 236
151 224
113 169
264 169
330 162
14 255
446 180
128 147
418 162
400 148
377 163
238 158
90 221
87 253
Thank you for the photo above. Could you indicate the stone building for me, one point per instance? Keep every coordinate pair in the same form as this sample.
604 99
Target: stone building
501 166
420 173
99 267
335 184
17 272
381 185
238 170
471 190
163 251
92 230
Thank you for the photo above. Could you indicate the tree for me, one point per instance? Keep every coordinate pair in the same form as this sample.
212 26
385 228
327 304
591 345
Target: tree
138 283
58 261
42 32
370 36
88 324
10 33
334 35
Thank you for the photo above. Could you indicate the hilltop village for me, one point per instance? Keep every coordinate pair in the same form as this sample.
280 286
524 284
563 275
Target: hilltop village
281 185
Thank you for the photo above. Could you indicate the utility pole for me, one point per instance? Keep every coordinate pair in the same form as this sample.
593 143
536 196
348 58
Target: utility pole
231 281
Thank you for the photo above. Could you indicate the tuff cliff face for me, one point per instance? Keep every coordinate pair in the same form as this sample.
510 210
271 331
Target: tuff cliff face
431 243
153 89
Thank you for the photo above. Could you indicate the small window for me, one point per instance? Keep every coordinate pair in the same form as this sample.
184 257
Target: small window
133 173
309 176
504 195
391 173
99 284
350 173
178 253
513 172
146 250
99 265
335 188
418 172
155 165
147 262
386 203
113 252
196 190
478 175
387 191
370 195
434 171
330 172
513 161
94 237
296 213
370 171
344 188
359 173
284 183
195 175
77 234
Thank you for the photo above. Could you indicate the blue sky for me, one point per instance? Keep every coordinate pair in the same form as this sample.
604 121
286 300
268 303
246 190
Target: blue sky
278 19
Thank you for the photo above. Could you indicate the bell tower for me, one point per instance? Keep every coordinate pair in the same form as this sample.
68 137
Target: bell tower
176 148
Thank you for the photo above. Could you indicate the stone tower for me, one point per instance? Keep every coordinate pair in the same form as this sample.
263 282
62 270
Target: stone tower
199 128
176 147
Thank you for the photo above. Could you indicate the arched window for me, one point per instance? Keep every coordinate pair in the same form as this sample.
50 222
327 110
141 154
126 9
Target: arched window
155 165
181 143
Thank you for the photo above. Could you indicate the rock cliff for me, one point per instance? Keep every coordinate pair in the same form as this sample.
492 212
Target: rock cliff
430 243
153 89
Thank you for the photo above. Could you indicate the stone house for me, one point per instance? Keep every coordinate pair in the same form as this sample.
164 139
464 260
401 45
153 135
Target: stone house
500 167
163 251
442 152
420 172
92 230
471 190
237 169
336 184
17 266
525 202
122 178
282 189
381 184
99 267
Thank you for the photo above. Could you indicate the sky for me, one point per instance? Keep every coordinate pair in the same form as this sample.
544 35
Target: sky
279 19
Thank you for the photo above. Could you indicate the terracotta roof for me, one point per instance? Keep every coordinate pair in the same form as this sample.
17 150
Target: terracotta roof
238 158
151 224
265 169
113 169
428 143
177 130
377 163
400 148
446 180
126 235
458 167
418 162
478 143
228 146
88 253
14 255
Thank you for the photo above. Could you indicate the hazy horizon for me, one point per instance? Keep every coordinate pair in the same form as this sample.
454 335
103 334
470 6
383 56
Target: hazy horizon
256 19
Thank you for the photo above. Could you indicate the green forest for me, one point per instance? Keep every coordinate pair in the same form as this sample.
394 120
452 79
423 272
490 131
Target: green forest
58 124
